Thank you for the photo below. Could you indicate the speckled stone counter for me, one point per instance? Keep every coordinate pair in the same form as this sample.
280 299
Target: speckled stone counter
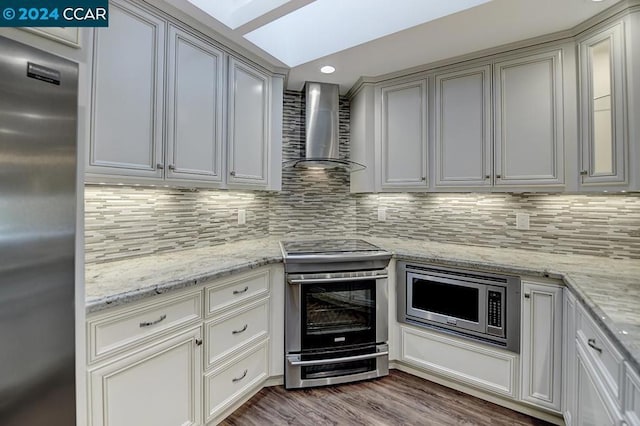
609 288
116 283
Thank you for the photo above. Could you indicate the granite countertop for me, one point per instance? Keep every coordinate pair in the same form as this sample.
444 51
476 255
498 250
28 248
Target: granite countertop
123 281
609 288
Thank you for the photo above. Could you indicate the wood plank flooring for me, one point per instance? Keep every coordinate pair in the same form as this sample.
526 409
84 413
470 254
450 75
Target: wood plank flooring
398 399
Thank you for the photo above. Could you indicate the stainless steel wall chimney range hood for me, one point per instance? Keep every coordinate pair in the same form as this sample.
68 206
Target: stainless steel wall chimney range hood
322 125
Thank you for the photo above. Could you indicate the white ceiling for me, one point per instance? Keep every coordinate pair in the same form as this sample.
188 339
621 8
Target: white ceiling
487 25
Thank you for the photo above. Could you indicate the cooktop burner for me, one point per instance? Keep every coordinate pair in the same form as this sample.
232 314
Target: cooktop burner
327 247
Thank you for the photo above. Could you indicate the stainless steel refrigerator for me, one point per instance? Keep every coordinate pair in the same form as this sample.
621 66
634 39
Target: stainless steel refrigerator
38 115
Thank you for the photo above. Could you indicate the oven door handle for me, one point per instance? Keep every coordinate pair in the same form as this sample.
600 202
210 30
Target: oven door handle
335 280
335 360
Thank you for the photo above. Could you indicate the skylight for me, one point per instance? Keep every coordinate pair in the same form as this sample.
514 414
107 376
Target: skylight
328 26
235 13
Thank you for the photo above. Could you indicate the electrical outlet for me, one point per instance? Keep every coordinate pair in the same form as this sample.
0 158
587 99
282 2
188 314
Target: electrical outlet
522 221
382 214
242 216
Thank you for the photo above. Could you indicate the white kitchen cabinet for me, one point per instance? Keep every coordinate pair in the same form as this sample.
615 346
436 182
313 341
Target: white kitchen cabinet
594 407
233 380
463 145
528 129
111 333
569 358
158 386
602 108
221 126
492 369
403 136
604 356
128 94
175 359
194 109
632 397
541 341
595 381
248 125
228 332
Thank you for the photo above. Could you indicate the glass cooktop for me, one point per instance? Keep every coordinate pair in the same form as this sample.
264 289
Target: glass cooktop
327 247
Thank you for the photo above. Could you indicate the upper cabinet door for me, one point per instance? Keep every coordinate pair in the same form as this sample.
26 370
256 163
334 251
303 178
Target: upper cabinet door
602 107
194 109
128 79
528 121
248 131
463 128
403 128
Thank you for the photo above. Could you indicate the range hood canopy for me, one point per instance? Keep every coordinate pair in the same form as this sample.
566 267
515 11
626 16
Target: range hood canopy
322 125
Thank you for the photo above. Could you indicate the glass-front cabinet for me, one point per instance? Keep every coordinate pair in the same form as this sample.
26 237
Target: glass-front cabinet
602 105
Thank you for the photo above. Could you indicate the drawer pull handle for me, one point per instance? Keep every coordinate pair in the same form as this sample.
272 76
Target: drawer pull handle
592 343
237 379
241 291
198 342
147 324
240 331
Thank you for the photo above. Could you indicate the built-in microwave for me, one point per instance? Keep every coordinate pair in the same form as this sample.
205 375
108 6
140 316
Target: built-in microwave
476 305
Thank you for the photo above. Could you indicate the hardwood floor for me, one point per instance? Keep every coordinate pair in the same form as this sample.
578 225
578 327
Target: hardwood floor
398 399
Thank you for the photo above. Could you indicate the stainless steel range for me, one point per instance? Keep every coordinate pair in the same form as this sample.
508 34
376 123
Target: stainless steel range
336 305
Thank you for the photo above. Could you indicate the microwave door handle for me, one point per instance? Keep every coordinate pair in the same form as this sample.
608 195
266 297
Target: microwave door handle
334 280
337 360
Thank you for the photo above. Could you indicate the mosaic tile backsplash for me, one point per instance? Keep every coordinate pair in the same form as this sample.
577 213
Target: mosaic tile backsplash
123 221
599 225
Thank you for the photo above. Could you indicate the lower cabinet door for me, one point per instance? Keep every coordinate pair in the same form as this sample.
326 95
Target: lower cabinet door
541 352
593 406
158 386
468 362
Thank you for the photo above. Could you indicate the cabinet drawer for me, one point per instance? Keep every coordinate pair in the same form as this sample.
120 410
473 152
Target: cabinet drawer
226 384
236 329
605 357
230 293
116 332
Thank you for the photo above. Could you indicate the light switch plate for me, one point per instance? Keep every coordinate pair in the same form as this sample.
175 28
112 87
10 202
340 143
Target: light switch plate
242 216
522 221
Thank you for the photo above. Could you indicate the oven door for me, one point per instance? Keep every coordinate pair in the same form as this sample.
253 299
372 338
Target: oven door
451 302
336 310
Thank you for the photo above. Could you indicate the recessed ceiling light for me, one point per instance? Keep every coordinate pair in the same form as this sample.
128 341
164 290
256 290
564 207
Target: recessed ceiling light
327 69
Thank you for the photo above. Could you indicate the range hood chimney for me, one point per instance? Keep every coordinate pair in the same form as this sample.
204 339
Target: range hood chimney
322 125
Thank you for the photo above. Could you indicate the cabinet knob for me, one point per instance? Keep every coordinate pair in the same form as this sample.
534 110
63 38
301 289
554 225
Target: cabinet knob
172 167
497 176
198 342
159 166
527 295
423 178
232 173
583 173
487 177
